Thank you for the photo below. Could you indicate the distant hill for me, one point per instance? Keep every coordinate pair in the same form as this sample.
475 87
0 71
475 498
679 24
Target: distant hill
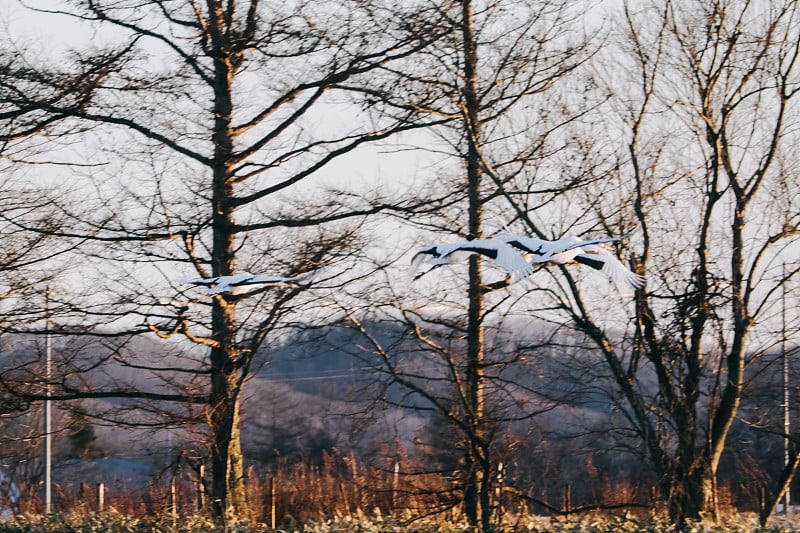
315 391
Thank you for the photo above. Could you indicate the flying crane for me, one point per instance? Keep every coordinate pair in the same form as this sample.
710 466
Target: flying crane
572 249
245 281
497 250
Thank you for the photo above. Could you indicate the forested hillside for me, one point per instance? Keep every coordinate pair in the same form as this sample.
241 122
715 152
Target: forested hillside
313 398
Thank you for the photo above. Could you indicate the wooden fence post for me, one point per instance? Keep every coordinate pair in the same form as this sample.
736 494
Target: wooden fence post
173 496
200 492
498 492
395 484
273 515
101 497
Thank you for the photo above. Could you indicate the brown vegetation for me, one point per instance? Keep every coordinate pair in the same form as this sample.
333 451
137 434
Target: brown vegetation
297 493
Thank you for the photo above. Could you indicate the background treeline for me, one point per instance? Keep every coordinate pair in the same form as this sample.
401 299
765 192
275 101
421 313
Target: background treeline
315 449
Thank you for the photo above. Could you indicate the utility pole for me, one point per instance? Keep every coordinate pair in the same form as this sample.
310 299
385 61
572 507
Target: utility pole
785 356
48 415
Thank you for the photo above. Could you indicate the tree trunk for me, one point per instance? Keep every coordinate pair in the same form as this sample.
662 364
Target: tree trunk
236 490
226 455
227 486
784 482
691 495
221 414
476 490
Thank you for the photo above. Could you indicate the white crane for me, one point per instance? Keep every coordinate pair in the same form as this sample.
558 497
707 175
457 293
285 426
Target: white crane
497 250
245 281
574 249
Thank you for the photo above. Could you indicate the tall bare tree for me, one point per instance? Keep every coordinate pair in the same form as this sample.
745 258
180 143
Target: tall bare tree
707 111
213 124
490 79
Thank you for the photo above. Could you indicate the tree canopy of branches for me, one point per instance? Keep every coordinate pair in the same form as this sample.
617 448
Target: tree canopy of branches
206 125
704 177
489 78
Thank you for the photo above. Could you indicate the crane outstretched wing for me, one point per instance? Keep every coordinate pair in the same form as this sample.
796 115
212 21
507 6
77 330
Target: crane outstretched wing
222 284
495 249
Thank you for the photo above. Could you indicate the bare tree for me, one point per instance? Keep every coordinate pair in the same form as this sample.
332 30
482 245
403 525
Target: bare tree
708 114
489 79
214 122
29 260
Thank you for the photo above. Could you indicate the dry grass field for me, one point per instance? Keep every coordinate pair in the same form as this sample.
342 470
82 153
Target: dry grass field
113 522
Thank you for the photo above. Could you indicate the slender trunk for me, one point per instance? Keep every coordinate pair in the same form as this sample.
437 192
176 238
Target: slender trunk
692 494
236 492
784 482
476 491
222 414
